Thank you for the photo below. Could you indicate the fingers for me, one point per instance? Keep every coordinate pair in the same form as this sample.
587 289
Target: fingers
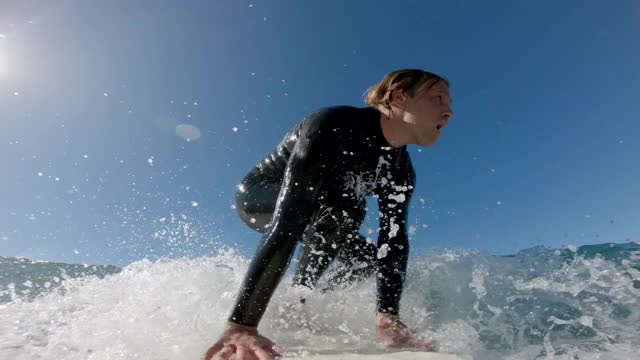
227 351
212 351
426 345
423 344
243 353
398 341
262 354
246 347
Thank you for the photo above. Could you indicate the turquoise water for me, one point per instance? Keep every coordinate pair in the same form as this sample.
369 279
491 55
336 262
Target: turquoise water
24 279
570 303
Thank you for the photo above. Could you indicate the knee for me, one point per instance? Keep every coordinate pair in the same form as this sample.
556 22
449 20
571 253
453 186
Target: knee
240 205
241 201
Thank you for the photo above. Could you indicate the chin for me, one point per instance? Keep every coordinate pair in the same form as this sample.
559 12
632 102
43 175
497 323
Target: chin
428 142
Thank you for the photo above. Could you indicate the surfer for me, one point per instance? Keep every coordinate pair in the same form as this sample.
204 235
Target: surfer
311 189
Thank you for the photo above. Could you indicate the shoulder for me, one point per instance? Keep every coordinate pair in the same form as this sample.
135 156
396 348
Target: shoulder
316 133
334 111
331 118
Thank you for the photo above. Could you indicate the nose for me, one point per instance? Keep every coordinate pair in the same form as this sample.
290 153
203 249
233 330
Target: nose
447 114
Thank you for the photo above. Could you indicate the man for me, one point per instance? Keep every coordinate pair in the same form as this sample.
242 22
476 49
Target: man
312 189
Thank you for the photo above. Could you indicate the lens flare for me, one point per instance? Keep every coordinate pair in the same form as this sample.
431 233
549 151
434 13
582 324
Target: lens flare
188 132
4 64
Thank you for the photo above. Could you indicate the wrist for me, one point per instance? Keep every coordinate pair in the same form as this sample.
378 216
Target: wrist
384 320
232 327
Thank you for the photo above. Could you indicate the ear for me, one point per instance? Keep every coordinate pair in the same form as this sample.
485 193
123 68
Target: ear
398 99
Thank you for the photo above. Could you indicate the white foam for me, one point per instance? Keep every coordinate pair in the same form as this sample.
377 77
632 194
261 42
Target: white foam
176 309
173 309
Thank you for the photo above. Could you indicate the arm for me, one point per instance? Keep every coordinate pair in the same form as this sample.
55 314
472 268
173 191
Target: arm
393 253
393 246
295 205
302 179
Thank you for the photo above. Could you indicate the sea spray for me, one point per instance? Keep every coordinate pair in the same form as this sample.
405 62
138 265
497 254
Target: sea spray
539 303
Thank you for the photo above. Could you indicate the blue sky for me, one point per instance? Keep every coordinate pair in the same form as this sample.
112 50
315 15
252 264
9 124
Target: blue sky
543 150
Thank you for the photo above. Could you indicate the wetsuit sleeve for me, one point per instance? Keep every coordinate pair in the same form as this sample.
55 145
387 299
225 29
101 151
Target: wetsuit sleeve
393 245
309 159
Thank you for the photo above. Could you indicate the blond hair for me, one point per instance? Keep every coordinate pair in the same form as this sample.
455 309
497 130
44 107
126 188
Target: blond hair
410 81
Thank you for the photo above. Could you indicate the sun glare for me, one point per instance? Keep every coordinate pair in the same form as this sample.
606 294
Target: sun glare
4 66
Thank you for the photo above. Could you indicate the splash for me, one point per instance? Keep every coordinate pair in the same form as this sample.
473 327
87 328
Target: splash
539 303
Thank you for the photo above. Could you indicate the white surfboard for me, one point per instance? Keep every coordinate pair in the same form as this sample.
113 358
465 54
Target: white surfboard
386 355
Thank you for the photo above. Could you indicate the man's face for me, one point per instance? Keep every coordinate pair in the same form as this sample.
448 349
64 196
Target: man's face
427 113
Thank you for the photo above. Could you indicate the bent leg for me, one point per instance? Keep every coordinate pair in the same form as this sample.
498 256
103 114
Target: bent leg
320 245
334 235
357 262
255 203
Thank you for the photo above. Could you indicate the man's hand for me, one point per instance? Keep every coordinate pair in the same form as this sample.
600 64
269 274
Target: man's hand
245 342
393 333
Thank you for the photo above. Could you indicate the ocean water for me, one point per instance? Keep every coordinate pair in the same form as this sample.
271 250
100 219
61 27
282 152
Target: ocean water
570 303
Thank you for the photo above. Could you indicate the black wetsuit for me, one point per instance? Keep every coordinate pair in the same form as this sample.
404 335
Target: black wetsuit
311 188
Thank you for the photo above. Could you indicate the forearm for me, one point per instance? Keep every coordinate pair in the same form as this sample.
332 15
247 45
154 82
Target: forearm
391 274
295 205
264 274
